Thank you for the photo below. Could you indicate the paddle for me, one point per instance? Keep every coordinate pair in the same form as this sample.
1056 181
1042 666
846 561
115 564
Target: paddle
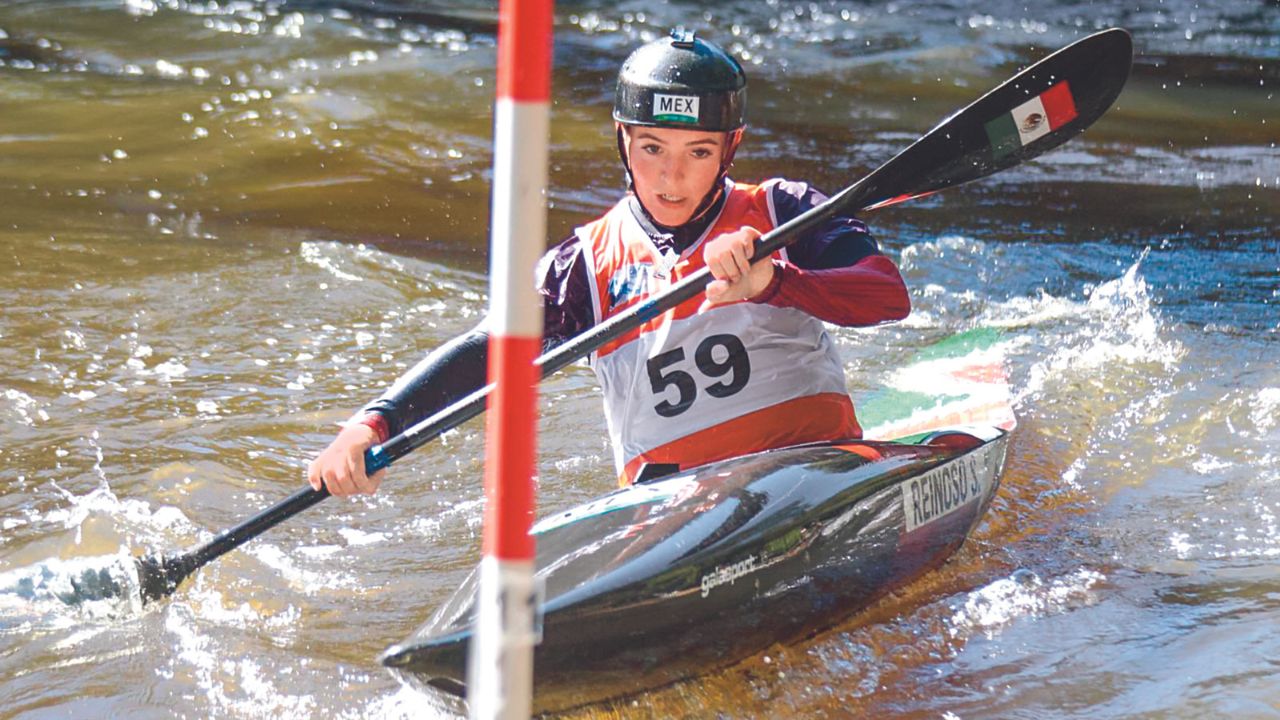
1035 111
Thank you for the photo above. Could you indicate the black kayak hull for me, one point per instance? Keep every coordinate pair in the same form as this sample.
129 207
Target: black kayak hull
670 579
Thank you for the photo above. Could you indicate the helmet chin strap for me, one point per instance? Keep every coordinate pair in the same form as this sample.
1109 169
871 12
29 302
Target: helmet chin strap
622 154
733 139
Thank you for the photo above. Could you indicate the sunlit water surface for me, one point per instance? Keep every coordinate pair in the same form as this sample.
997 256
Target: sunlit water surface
226 225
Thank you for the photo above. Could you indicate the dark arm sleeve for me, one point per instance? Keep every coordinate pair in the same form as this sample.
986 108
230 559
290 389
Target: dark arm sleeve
835 272
460 366
839 242
446 375
564 284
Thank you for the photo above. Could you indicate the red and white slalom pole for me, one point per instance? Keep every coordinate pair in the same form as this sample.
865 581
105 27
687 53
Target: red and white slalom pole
500 672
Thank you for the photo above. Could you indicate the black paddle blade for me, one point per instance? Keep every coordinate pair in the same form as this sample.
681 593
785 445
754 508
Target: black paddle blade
1033 112
159 577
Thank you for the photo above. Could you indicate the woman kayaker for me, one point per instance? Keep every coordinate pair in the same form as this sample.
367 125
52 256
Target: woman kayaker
750 368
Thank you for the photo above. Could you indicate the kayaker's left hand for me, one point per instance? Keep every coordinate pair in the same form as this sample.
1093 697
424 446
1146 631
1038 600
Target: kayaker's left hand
736 279
340 467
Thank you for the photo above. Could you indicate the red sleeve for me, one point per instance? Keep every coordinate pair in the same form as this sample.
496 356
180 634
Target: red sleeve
869 292
378 424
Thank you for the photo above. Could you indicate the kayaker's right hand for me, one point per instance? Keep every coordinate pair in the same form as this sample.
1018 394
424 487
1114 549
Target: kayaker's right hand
728 256
340 467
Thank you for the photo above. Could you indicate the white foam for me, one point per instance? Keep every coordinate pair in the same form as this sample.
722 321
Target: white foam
307 581
102 586
24 407
1264 409
1210 465
924 254
471 512
1023 594
359 537
218 675
403 704
1025 312
1179 543
1120 325
325 255
170 369
320 551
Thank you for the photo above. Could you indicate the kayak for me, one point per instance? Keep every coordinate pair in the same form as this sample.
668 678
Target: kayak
674 577
678 576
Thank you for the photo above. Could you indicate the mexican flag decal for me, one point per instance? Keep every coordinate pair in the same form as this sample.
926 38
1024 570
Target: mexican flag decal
1034 118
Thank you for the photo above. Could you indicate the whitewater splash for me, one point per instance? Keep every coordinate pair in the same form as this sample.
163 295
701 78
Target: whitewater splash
104 578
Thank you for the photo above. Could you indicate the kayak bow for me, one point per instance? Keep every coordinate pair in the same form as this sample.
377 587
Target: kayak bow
668 579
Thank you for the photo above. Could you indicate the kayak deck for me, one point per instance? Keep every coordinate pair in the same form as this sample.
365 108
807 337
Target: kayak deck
672 578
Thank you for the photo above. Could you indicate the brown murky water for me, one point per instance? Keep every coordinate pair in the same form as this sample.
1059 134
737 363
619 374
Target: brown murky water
225 225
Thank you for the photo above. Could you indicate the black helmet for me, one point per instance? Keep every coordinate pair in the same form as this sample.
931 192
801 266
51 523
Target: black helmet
681 82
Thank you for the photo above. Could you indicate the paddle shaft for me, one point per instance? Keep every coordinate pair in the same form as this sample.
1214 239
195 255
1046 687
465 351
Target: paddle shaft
957 150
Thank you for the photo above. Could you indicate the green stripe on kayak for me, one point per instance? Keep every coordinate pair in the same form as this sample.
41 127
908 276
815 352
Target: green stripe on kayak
890 405
960 344
916 439
886 405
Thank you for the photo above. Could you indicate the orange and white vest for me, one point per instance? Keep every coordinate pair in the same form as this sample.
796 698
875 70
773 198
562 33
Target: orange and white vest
693 386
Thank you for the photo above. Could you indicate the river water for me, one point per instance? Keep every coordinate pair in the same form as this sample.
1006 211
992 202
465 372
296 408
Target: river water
224 225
